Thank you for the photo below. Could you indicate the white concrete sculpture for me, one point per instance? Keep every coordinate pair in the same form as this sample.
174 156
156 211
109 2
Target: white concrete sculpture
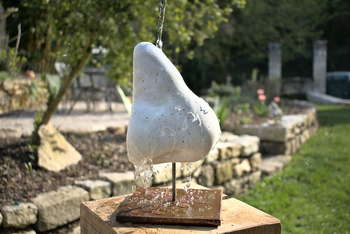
168 123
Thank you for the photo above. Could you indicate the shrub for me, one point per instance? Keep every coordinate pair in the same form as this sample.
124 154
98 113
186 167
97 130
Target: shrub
11 62
222 109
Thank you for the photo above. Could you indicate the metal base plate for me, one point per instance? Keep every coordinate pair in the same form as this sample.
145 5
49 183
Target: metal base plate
155 206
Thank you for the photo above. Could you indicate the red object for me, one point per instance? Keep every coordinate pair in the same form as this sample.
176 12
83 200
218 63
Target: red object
262 97
260 91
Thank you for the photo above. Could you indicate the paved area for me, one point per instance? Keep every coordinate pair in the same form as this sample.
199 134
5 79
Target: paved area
79 121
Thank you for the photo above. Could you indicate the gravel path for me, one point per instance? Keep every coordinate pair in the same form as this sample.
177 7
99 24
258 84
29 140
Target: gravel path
79 121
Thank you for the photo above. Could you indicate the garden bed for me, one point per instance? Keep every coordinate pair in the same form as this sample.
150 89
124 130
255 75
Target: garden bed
22 180
100 151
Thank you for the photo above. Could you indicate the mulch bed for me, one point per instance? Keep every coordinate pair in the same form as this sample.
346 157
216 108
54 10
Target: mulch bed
100 151
235 119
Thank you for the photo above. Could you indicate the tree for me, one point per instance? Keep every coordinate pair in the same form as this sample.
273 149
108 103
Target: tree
67 30
241 43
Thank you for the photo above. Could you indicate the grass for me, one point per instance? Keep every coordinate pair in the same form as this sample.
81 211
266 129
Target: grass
312 194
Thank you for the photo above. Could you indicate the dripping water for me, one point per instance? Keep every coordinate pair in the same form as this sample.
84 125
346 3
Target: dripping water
162 7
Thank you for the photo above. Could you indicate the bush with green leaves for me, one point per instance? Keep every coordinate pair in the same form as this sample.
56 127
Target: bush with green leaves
260 108
11 62
221 90
4 76
222 109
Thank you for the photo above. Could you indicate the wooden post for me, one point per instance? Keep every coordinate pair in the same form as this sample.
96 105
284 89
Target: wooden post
99 217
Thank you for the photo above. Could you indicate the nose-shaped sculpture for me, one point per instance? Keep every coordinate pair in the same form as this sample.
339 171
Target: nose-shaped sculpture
168 122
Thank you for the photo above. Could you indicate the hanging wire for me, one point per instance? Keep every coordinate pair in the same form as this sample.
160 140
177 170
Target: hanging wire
162 7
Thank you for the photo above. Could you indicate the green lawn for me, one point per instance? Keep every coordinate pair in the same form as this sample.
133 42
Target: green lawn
312 194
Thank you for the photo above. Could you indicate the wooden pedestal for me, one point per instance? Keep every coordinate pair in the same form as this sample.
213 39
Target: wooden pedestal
99 217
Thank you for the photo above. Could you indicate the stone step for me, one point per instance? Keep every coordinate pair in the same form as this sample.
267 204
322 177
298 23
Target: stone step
19 216
59 207
97 189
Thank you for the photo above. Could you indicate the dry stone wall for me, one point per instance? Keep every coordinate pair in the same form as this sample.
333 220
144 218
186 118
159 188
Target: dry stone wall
233 166
287 135
19 94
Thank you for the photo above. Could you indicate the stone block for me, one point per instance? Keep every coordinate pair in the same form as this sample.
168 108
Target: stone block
297 142
294 145
26 232
55 153
19 216
7 85
232 187
235 161
206 178
293 121
118 130
75 230
227 137
288 148
241 169
306 134
250 145
223 172
254 178
164 172
193 167
311 116
276 133
59 207
248 129
122 183
228 150
270 147
97 189
212 156
272 164
10 133
255 161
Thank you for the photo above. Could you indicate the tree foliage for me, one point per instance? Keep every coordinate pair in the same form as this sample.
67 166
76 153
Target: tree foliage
68 30
58 29
240 44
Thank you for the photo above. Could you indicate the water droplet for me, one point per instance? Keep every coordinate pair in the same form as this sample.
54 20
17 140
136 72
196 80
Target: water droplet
178 108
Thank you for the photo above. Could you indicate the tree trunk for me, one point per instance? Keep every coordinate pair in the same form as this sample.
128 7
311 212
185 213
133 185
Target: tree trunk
47 49
64 88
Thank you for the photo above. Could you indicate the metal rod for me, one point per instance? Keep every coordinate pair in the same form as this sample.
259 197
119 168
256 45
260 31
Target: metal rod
174 180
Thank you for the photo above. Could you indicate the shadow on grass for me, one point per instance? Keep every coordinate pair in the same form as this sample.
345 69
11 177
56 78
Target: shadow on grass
333 115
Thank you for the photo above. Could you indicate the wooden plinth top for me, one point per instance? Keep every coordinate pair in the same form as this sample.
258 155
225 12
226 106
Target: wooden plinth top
99 217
